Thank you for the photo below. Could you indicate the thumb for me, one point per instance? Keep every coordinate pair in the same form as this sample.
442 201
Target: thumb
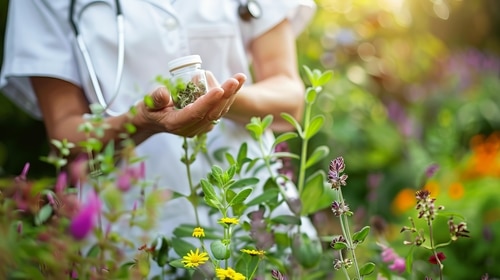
158 99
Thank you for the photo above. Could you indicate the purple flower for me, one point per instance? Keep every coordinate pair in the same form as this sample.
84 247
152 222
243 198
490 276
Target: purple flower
258 230
431 170
277 275
335 178
84 221
23 174
339 208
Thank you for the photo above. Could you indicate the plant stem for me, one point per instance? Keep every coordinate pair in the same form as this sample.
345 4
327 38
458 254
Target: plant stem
303 153
190 180
343 268
344 223
431 236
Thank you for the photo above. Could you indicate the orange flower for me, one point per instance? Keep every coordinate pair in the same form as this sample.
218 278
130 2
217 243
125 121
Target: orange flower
485 159
432 187
403 201
456 190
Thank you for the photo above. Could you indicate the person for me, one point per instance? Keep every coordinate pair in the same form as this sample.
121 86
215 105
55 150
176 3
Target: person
45 73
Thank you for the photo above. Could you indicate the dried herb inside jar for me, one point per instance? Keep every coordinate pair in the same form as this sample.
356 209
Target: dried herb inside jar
189 93
184 93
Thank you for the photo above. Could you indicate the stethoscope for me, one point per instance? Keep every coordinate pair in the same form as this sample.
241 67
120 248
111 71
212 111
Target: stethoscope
247 10
88 61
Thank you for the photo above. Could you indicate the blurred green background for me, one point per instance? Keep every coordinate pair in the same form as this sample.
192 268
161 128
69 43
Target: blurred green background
416 82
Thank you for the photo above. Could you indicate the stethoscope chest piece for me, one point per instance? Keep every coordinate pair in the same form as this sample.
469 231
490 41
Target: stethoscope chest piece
250 10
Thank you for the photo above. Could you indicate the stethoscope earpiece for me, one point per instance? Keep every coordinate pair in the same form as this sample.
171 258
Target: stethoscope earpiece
249 10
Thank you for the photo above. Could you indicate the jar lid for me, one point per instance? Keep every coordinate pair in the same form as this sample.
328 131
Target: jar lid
184 61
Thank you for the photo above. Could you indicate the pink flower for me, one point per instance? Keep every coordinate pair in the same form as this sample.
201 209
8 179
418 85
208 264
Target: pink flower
388 255
78 169
398 265
61 183
130 176
124 181
84 221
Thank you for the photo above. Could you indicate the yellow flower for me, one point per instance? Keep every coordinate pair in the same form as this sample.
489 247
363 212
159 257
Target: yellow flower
252 252
228 274
194 259
229 221
198 232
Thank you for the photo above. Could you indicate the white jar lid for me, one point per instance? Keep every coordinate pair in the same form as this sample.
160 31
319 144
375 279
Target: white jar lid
184 61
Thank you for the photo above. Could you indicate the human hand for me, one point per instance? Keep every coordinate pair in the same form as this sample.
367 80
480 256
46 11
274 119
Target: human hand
195 118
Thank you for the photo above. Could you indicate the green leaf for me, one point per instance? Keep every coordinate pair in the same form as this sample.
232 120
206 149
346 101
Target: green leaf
242 153
161 248
244 182
286 220
289 118
255 130
325 77
241 196
311 95
186 230
270 194
318 154
177 263
208 189
284 137
339 246
361 235
43 215
246 265
314 126
286 155
309 75
267 121
409 260
182 247
94 251
307 251
367 269
312 191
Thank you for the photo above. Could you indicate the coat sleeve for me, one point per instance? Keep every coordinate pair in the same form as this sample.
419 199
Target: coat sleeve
38 42
298 12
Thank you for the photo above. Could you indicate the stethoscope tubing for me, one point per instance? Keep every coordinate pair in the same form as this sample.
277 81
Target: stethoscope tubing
88 61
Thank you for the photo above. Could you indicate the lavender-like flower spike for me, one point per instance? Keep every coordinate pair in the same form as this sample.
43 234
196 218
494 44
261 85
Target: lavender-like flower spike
339 208
425 205
335 178
277 275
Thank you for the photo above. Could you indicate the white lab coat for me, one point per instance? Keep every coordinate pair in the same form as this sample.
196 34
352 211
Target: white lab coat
40 42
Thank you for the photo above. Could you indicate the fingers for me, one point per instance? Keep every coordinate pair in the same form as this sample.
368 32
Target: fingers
196 117
230 87
160 98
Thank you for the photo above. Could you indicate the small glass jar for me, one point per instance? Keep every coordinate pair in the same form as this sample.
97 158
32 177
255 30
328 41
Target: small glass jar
187 81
